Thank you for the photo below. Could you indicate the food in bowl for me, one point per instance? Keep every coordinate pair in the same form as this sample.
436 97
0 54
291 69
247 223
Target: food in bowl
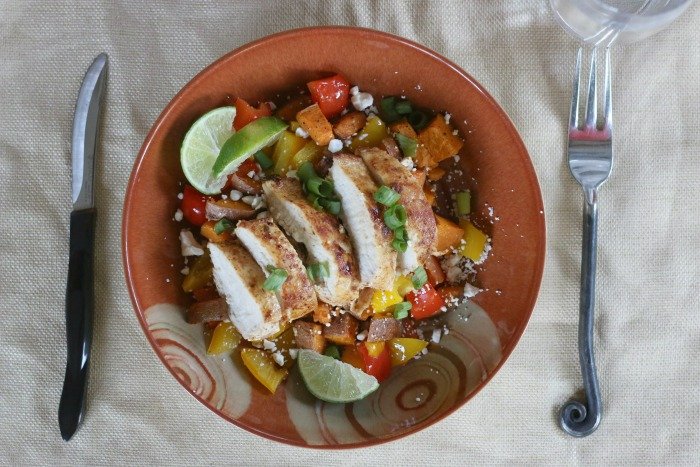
314 235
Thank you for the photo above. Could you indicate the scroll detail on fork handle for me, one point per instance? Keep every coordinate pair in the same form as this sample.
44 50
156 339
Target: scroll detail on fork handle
576 418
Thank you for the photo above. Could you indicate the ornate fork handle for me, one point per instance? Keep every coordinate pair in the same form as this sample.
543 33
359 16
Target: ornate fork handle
576 418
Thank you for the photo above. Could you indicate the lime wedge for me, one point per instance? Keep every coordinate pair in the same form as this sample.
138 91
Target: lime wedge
332 380
201 147
246 142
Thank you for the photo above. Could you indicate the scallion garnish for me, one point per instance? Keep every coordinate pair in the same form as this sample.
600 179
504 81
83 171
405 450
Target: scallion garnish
264 161
388 109
418 119
330 205
317 271
222 226
463 200
305 172
420 277
275 280
332 351
401 310
319 187
401 234
386 196
408 145
399 245
315 201
403 108
395 216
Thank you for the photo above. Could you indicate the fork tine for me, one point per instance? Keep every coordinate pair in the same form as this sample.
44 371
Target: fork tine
575 99
608 91
592 105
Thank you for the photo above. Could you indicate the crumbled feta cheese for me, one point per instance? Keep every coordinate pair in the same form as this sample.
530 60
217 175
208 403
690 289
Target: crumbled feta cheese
362 100
457 158
455 132
362 136
258 203
485 253
180 196
344 111
235 195
436 335
447 118
178 215
184 271
292 174
347 142
249 199
224 197
362 336
302 133
335 145
272 105
373 109
278 357
263 215
251 174
293 353
269 345
408 163
188 245
424 351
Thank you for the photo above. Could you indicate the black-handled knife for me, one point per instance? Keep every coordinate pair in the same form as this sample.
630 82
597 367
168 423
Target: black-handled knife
79 291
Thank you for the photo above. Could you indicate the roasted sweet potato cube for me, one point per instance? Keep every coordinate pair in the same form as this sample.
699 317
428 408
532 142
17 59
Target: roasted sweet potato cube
404 128
383 328
438 139
349 124
342 330
322 313
316 124
309 336
207 311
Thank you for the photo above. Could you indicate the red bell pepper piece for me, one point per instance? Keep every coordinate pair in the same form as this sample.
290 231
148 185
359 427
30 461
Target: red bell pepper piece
194 206
435 273
379 366
331 94
246 113
425 302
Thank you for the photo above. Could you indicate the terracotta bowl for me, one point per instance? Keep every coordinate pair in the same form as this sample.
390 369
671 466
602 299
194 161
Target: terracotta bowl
495 166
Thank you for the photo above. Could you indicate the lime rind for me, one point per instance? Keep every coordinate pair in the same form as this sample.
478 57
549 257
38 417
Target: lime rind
201 146
247 141
332 380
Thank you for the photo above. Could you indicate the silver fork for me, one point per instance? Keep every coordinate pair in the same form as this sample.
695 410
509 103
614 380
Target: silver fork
590 162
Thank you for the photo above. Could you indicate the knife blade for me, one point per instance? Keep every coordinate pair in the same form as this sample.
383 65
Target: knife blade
79 288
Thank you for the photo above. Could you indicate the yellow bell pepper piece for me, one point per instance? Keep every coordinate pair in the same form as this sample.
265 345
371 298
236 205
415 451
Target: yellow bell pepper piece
403 285
285 148
372 134
263 368
474 241
309 153
403 349
224 339
201 274
374 349
384 299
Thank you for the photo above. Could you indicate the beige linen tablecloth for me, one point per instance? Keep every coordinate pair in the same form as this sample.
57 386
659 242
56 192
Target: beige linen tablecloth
648 304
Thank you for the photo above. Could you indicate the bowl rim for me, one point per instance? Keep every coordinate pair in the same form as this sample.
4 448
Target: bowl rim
394 40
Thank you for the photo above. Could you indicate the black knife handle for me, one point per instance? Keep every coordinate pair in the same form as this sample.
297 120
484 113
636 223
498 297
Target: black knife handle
79 311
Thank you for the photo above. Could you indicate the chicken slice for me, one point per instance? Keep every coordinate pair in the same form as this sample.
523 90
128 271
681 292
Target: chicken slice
371 239
254 311
268 245
420 222
321 234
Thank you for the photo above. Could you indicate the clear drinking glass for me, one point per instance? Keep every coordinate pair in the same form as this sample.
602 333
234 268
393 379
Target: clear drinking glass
602 22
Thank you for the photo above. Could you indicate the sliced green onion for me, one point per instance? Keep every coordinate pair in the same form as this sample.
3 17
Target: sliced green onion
317 271
386 196
222 226
388 110
305 172
418 119
399 245
403 108
401 310
395 216
264 161
315 201
330 205
408 145
275 280
319 187
463 199
401 234
420 277
332 351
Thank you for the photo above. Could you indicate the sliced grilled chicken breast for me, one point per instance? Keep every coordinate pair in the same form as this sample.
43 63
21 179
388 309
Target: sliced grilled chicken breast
255 312
321 234
420 222
268 245
363 219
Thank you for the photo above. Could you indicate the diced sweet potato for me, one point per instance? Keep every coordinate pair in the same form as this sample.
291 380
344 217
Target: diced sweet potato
438 139
449 234
309 336
436 174
289 110
343 330
316 124
429 195
423 158
322 313
383 328
207 311
349 124
404 128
